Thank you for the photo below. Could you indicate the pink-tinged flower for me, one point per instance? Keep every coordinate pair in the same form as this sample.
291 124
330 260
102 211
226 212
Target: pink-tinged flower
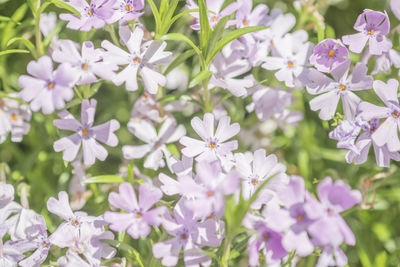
14 119
254 169
359 152
387 133
138 217
88 63
329 54
372 26
126 10
329 228
156 143
140 58
93 15
216 13
224 73
86 134
189 235
341 87
47 89
207 191
291 61
213 145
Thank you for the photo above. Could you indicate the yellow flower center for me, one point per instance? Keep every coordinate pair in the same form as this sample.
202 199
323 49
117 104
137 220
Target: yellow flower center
330 212
75 223
138 215
85 66
299 218
136 60
271 43
214 19
128 8
209 217
85 132
90 12
254 182
290 64
331 53
395 114
212 145
45 245
209 193
342 87
245 22
14 117
51 85
372 31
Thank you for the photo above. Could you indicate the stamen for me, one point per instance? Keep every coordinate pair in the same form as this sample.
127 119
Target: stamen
128 8
271 43
209 193
75 222
290 64
51 85
214 19
342 87
254 182
299 218
372 31
245 22
209 217
136 60
85 66
85 132
138 215
90 12
212 144
395 114
330 212
331 53
14 117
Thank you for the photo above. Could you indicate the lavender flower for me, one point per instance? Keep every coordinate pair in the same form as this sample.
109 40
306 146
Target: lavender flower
328 55
141 58
86 133
47 89
346 133
395 7
372 26
245 16
88 65
93 15
387 133
213 145
139 215
126 10
342 87
155 143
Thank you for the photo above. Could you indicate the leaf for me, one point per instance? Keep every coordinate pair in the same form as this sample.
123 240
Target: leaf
4 18
105 179
13 51
199 78
216 34
330 32
181 37
28 44
179 60
60 4
156 15
178 16
205 28
125 247
230 37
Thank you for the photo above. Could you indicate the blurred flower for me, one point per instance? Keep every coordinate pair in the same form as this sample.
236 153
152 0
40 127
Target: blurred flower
47 23
138 214
372 26
126 10
86 133
47 89
328 55
346 134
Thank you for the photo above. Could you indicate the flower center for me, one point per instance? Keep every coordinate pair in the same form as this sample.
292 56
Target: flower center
138 215
90 12
85 66
75 222
128 8
299 218
245 22
214 19
265 236
51 85
331 53
395 114
209 217
14 117
209 193
184 236
212 144
342 87
136 60
372 31
45 245
85 132
330 212
254 181
271 43
290 64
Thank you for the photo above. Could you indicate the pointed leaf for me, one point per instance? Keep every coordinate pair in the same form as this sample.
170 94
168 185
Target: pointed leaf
105 179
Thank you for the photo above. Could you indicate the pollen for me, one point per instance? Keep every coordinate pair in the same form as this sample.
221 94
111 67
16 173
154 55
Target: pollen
44 245
331 53
254 182
14 117
51 85
245 22
136 60
128 8
214 19
299 218
342 87
90 12
75 223
209 193
395 114
212 145
372 31
290 64
85 66
138 215
265 236
85 132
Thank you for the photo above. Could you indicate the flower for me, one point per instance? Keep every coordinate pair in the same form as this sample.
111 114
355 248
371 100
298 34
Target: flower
47 23
155 143
86 134
245 16
372 26
213 145
188 235
387 133
138 215
395 7
328 55
47 89
93 15
126 10
88 65
141 58
342 87
346 133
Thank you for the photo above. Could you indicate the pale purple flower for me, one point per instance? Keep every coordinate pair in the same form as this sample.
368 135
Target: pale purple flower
209 188
395 7
10 253
329 228
247 16
292 60
341 87
146 107
224 73
141 58
88 64
332 256
6 195
254 169
72 259
385 62
93 15
372 26
139 214
47 90
387 133
189 235
359 153
86 134
329 54
156 143
126 10
14 119
346 134
213 145
216 13
47 23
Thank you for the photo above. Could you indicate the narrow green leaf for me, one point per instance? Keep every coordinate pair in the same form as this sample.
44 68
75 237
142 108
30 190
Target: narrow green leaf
216 34
330 32
230 37
179 60
181 37
125 247
164 6
4 18
28 44
176 17
205 28
156 15
13 51
105 179
60 4
199 78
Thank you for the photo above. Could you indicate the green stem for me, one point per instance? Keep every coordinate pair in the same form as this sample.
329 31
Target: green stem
113 35
227 250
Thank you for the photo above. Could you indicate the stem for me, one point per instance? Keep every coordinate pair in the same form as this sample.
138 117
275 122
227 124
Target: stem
38 34
114 38
227 250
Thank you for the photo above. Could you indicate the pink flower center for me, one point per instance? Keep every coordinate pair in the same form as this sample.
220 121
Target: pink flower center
265 236
184 236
